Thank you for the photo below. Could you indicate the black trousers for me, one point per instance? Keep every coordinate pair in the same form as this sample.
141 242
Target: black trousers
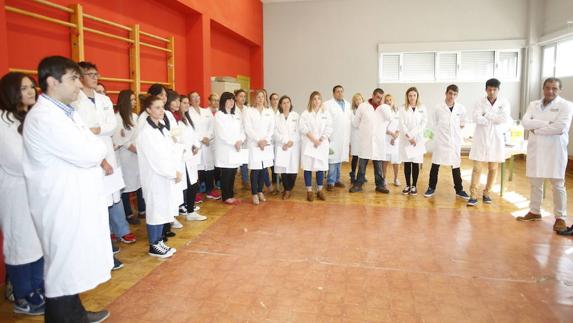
217 174
288 181
227 182
456 175
258 180
65 309
413 170
207 176
353 165
190 193
378 175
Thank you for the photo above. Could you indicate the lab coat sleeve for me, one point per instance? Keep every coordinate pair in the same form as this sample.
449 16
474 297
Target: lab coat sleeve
328 128
529 123
500 117
108 120
560 125
83 150
270 129
357 117
160 158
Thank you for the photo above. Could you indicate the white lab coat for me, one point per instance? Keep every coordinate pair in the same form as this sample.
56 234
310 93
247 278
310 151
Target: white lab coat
62 169
158 165
100 115
413 123
203 121
127 160
547 145
340 139
320 125
21 242
287 129
354 136
392 151
448 138
259 126
492 122
189 140
228 130
372 124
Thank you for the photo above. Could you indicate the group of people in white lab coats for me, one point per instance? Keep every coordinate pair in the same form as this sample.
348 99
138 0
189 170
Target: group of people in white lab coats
60 202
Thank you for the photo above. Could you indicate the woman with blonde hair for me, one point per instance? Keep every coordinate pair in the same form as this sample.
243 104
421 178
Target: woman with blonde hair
357 99
315 129
392 139
413 121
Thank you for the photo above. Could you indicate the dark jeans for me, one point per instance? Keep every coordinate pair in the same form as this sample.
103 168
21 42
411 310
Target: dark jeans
207 177
127 204
288 181
411 169
190 193
257 180
217 175
308 178
65 309
227 182
456 175
266 178
378 176
26 278
353 165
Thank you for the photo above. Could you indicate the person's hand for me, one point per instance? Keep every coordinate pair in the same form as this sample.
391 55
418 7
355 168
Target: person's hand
238 145
96 130
107 169
316 143
177 177
285 147
205 141
194 150
262 143
412 142
132 148
290 143
396 134
392 141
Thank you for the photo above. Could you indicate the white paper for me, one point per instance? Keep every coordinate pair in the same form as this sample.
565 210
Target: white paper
282 159
239 157
320 152
114 182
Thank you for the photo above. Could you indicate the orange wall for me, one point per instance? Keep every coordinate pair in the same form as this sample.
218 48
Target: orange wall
212 38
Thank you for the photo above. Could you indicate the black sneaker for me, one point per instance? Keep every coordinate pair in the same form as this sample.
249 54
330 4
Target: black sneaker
183 210
117 264
430 192
96 317
114 248
463 195
406 190
22 306
487 199
157 250
355 189
382 189
472 202
413 191
170 234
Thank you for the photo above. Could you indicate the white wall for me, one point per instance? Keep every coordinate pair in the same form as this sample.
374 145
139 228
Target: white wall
313 45
556 15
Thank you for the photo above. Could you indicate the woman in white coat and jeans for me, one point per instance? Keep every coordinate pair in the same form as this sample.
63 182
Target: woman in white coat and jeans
357 99
315 129
259 123
287 137
22 250
413 119
159 169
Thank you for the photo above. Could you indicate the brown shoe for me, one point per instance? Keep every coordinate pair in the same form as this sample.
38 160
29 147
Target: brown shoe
330 187
559 225
339 184
286 195
529 217
309 196
320 195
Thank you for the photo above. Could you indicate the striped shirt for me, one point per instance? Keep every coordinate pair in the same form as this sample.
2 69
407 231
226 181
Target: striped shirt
68 110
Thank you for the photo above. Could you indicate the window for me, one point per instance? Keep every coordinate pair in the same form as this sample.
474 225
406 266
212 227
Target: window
472 66
548 69
563 61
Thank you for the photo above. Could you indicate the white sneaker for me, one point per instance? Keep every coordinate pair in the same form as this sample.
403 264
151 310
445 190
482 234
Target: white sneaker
176 224
195 217
170 249
396 182
197 208
158 250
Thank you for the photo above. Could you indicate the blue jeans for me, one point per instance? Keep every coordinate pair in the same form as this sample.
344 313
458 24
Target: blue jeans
308 178
127 205
333 173
117 223
154 233
26 278
245 173
257 180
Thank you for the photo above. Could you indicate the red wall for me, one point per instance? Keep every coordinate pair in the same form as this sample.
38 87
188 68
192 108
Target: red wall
212 38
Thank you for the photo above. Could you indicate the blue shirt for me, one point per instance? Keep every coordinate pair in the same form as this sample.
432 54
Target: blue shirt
340 103
68 110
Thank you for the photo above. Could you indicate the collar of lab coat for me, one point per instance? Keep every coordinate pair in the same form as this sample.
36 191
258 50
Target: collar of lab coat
159 127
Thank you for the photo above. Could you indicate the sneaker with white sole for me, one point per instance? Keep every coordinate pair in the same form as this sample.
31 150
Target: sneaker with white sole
162 243
97 317
176 224
159 251
194 216
183 210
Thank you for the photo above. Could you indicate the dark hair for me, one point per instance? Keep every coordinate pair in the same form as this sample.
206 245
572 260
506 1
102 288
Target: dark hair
338 86
285 97
87 65
378 91
492 83
11 98
452 87
270 96
56 67
551 80
239 91
156 89
181 97
171 96
148 101
124 108
185 117
224 97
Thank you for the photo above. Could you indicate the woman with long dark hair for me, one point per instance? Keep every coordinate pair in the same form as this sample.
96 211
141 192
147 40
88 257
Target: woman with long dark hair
22 250
287 138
